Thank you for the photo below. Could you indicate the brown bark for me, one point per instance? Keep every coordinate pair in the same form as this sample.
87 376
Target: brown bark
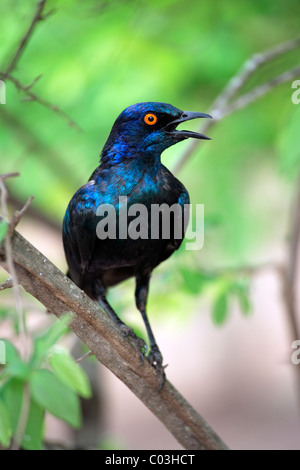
59 295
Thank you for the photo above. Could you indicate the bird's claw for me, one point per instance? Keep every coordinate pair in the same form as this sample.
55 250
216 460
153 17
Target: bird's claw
156 360
139 342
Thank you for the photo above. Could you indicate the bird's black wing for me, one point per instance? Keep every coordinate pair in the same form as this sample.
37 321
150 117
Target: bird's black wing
79 230
178 224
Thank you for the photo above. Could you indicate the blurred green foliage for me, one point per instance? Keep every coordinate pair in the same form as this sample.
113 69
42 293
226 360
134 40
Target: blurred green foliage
97 57
51 380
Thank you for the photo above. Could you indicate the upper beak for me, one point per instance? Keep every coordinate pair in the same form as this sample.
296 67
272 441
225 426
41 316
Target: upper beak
188 116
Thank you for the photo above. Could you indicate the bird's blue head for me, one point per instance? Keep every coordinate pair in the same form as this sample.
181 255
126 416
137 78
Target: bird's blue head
147 129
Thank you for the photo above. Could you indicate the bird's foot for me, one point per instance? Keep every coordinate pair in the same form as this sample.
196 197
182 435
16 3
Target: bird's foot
139 342
156 360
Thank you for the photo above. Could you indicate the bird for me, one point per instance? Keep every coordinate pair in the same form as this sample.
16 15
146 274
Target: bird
130 170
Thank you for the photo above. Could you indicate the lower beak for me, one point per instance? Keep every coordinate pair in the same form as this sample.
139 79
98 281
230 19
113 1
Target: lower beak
188 116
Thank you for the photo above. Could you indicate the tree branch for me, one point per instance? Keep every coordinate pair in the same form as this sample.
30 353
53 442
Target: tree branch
30 96
34 97
259 91
250 66
59 295
37 17
13 282
222 106
8 284
32 142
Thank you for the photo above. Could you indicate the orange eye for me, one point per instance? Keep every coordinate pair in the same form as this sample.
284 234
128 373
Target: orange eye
150 119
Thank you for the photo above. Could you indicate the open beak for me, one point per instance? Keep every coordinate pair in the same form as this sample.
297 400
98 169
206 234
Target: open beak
188 116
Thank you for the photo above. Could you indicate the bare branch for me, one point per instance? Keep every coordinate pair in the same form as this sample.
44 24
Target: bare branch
34 81
259 91
222 107
30 96
191 147
37 17
4 196
85 356
33 97
59 295
7 284
35 213
14 282
17 216
5 176
51 156
251 65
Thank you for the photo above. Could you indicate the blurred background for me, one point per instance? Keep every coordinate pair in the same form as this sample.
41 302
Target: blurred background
221 315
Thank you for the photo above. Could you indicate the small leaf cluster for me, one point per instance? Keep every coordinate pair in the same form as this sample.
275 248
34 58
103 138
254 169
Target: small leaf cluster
54 381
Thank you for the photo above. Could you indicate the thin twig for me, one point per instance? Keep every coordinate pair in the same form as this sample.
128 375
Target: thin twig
7 75
260 90
34 97
34 81
85 356
17 216
9 260
4 193
31 140
36 18
7 284
222 107
250 66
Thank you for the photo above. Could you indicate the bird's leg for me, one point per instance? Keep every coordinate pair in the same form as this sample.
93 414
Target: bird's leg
155 357
99 293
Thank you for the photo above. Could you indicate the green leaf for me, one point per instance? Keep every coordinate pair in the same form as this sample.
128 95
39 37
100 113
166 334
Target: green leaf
12 396
44 343
6 312
11 314
3 230
5 426
53 395
69 372
194 281
244 303
33 436
220 308
241 289
191 282
111 443
16 368
10 352
242 292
